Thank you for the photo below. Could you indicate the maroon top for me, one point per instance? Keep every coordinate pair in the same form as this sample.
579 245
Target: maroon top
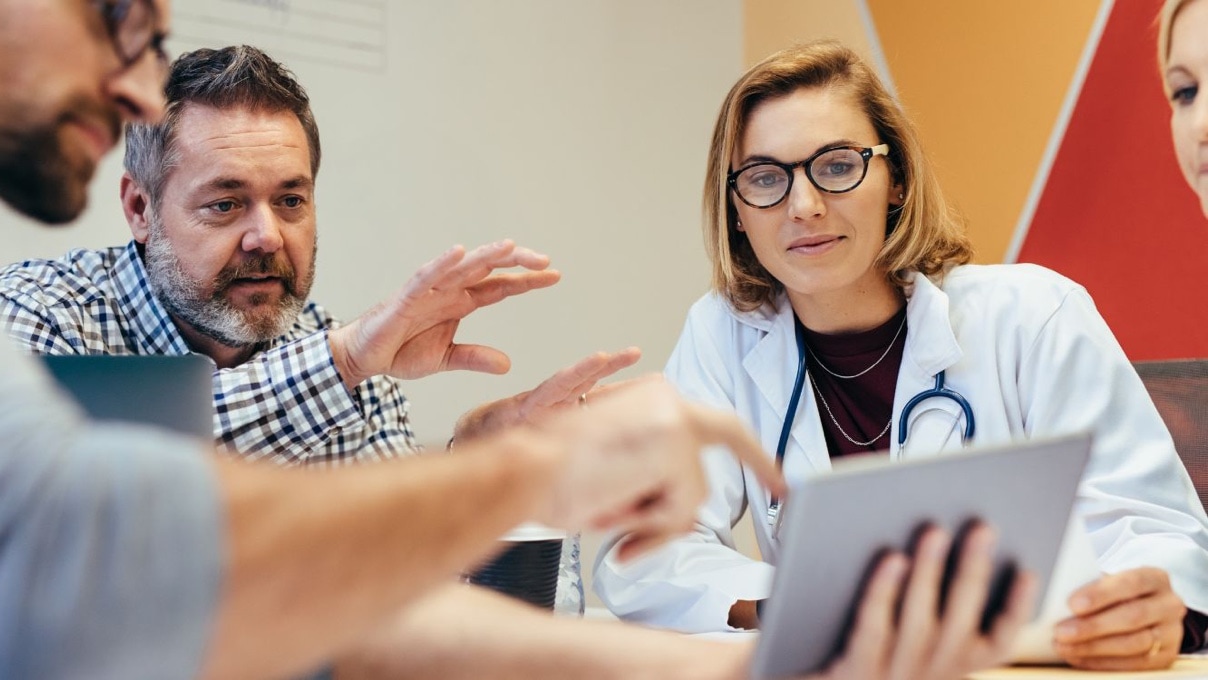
1195 628
862 405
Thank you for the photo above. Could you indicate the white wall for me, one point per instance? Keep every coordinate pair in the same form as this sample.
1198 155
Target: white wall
577 127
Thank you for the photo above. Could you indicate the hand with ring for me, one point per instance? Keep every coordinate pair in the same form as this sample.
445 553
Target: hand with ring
567 387
1128 621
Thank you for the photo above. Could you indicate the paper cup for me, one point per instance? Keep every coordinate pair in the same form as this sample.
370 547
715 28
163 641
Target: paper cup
527 569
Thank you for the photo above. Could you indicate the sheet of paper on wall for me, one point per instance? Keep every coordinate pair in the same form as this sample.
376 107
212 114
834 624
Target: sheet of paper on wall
1075 568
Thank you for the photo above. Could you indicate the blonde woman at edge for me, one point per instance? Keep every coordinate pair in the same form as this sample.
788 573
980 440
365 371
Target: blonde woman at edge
1183 58
823 218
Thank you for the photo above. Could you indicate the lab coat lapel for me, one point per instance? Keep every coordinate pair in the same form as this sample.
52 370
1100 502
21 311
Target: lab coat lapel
935 424
772 367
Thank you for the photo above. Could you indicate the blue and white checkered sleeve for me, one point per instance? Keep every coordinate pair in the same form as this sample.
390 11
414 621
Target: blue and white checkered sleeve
35 329
288 404
388 432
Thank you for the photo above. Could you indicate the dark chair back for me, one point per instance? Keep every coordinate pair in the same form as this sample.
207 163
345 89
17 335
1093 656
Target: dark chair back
1179 389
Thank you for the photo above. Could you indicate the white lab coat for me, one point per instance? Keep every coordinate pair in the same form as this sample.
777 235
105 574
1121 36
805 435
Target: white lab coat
1028 350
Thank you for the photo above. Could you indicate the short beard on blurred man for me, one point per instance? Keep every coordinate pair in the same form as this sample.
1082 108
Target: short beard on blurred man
44 176
205 305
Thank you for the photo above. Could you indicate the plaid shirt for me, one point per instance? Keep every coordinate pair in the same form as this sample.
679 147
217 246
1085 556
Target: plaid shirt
287 403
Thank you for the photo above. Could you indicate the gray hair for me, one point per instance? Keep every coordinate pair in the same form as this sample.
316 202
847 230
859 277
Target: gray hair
231 77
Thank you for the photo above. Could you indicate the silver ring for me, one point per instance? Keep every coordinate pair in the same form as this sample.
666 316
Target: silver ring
583 400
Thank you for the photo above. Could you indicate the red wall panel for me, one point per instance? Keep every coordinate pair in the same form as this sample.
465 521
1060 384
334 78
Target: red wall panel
1115 214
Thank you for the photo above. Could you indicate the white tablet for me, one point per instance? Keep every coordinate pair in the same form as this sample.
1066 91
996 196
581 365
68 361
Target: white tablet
838 524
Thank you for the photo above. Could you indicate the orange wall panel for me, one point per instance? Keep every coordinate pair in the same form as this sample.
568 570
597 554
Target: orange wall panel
985 81
771 25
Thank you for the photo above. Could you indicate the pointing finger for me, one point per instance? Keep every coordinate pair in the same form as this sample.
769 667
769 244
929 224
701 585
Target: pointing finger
720 427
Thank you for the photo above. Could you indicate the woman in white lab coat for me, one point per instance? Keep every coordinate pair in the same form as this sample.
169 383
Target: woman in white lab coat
822 213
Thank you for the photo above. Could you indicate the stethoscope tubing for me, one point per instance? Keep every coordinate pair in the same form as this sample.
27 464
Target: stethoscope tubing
939 391
944 393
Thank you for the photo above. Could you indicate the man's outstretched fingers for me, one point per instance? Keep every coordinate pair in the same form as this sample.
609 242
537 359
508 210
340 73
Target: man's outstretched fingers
610 364
475 265
434 271
502 286
480 262
478 358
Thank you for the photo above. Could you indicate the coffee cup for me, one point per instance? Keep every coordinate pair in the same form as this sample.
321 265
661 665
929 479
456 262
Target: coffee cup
527 567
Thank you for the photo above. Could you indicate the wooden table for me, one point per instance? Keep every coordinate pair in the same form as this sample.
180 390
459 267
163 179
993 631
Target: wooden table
1185 667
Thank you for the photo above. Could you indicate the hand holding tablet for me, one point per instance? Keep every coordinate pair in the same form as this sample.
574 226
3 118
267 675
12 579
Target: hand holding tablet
845 531
912 622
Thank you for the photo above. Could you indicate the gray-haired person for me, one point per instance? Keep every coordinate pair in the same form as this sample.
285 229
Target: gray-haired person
220 199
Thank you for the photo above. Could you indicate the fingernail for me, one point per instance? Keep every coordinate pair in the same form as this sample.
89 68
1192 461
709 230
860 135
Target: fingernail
1080 603
896 566
1065 630
987 542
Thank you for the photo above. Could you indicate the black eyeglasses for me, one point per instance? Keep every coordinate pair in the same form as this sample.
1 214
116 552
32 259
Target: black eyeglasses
133 27
835 170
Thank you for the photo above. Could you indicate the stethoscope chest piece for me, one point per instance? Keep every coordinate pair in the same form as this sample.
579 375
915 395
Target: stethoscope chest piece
941 392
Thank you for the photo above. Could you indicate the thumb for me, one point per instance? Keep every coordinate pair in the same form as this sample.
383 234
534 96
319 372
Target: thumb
480 358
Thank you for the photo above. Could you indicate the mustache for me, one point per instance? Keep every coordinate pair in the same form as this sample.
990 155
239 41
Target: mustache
265 265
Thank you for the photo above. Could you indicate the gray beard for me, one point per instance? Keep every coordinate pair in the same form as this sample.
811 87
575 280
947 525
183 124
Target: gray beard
213 316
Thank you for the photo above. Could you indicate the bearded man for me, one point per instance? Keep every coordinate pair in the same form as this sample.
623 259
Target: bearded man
219 196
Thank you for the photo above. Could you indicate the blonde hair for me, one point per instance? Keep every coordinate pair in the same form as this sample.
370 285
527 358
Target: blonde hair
924 234
1170 12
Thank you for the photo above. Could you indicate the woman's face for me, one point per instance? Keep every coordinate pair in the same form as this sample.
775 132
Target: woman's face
1186 71
820 246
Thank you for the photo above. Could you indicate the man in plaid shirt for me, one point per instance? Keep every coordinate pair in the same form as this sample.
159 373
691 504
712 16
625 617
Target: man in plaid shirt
219 197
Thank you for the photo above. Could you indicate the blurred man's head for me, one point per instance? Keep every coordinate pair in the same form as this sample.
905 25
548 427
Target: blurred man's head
221 195
71 71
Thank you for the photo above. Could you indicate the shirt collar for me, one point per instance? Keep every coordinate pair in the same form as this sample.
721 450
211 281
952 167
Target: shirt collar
931 343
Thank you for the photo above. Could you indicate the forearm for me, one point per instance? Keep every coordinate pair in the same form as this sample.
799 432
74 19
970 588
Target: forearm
465 632
318 558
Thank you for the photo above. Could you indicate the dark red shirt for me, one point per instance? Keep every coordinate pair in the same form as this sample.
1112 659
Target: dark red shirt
1195 629
862 406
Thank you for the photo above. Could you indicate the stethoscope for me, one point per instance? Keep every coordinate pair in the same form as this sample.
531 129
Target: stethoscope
799 386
